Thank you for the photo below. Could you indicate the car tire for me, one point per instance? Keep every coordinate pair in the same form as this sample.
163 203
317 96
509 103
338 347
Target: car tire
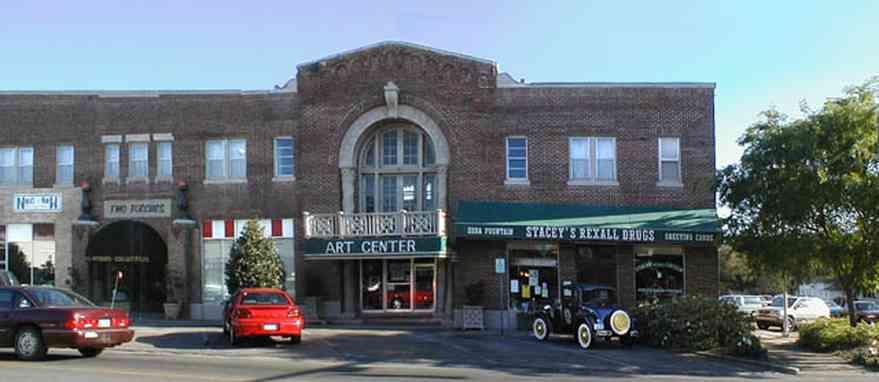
29 344
790 323
584 335
295 340
762 326
540 329
90 352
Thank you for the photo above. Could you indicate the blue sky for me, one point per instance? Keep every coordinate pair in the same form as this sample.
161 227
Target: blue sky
759 53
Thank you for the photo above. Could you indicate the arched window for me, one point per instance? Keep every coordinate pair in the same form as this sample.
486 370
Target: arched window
397 170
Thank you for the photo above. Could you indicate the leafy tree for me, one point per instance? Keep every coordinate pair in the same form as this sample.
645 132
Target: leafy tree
805 197
254 261
18 264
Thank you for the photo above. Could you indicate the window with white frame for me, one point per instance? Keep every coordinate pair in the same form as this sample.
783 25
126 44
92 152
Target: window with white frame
669 160
64 171
165 164
16 165
396 170
227 159
111 161
593 159
138 160
517 158
284 157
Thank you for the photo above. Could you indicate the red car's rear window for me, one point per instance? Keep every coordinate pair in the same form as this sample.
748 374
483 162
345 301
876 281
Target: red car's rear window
264 298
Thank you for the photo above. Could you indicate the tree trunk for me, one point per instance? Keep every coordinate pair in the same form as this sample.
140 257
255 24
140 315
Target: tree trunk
850 304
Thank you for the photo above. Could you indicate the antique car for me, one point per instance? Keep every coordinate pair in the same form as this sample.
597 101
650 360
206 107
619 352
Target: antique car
589 313
34 319
262 312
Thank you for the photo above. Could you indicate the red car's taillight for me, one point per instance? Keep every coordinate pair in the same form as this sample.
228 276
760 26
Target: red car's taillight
120 323
294 312
72 324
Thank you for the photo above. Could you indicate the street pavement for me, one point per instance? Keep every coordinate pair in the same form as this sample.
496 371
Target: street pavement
337 353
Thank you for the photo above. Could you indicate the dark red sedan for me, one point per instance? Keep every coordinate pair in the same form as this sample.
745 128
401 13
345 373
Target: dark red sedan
259 312
33 319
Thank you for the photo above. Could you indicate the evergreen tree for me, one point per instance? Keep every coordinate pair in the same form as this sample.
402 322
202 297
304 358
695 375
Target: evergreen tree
254 261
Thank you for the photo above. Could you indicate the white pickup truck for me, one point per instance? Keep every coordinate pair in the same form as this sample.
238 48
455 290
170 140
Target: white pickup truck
800 310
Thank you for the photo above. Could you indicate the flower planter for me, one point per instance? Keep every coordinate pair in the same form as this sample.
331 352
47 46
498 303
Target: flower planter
470 317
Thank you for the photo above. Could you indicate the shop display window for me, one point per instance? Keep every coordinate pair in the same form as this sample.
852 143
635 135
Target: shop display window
216 255
659 276
397 285
533 278
29 252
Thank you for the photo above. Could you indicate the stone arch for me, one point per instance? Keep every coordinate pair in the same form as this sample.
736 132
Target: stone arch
357 130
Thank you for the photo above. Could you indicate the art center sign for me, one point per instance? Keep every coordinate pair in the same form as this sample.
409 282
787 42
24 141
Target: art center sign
31 203
376 247
123 209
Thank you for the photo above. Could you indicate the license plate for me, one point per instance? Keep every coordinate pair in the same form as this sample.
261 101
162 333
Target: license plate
91 335
104 323
270 327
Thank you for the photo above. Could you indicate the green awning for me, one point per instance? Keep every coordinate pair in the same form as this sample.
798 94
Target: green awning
571 222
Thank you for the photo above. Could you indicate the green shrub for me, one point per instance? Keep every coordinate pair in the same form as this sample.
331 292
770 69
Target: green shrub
867 356
695 323
831 335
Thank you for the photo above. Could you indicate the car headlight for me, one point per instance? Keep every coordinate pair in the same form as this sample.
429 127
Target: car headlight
620 322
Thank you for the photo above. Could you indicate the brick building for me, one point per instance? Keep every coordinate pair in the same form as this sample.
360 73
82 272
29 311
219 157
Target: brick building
391 177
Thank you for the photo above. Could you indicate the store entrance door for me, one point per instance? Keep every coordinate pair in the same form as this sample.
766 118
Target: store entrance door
397 285
136 250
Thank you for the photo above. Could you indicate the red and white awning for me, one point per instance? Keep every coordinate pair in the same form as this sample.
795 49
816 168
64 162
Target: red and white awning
232 228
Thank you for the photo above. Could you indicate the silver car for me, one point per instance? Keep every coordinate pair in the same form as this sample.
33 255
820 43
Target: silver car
744 303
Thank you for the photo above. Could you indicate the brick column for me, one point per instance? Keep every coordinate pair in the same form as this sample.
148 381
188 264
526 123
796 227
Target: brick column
625 275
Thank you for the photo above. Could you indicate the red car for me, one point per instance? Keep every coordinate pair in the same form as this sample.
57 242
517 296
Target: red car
33 319
262 312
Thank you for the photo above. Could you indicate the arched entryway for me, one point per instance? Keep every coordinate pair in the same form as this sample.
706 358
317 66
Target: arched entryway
139 252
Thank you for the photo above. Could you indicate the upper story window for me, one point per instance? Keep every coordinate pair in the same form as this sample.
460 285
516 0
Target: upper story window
64 170
670 160
284 157
138 160
396 170
111 161
16 166
593 160
517 159
165 164
227 159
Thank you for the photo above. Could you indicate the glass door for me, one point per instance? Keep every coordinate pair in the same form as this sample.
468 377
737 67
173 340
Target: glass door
399 285
424 286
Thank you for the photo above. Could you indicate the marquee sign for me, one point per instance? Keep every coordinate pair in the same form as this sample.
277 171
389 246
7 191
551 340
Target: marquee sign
376 247
30 203
123 209
581 233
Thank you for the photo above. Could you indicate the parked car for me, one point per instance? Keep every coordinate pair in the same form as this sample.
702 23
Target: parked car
836 310
262 312
867 311
8 279
34 319
588 312
800 310
745 304
767 299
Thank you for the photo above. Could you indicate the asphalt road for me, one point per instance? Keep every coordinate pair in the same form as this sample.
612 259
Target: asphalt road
362 355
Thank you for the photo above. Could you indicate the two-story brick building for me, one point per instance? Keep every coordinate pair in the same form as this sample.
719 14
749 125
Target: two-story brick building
392 178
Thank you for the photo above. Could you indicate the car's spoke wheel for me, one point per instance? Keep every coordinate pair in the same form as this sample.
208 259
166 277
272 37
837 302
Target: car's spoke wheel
90 352
584 335
29 345
540 329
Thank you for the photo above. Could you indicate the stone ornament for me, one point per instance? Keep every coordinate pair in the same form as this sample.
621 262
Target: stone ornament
391 99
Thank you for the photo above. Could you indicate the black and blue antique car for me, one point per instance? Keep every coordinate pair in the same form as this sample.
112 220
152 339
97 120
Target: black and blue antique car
589 313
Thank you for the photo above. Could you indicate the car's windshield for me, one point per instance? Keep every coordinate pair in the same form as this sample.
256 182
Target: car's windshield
778 301
753 300
866 306
831 303
264 298
599 297
56 297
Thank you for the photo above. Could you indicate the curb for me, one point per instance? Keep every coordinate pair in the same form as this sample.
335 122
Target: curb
769 365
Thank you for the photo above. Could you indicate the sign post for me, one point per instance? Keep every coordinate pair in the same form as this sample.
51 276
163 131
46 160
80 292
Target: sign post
500 268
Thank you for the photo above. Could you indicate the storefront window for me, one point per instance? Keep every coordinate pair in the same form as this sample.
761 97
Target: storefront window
30 253
533 278
216 255
398 284
659 276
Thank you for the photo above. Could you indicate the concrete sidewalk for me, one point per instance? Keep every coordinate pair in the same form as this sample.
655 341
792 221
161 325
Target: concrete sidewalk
785 351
